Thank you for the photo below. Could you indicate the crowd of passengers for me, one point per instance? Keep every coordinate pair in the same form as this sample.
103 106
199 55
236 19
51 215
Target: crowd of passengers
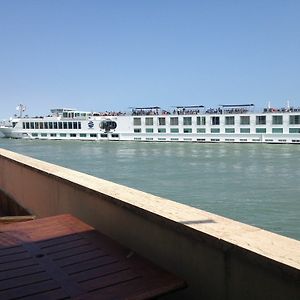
283 109
109 113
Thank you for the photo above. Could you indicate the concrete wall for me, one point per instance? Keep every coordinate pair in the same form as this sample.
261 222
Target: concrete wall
219 258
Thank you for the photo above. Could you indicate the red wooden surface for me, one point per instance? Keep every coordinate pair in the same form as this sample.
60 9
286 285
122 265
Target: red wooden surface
62 258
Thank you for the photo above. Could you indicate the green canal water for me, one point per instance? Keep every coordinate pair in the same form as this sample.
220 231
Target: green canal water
258 184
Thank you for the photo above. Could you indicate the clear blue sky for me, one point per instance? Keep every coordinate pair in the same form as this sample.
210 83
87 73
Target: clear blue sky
110 55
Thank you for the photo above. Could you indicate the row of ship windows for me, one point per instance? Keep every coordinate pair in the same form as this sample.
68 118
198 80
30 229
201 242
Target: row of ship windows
214 140
216 130
51 125
215 120
74 135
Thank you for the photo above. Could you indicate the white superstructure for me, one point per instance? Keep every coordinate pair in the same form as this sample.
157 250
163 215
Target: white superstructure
228 123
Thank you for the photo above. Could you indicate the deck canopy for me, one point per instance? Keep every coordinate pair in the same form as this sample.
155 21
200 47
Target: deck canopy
146 108
189 106
236 105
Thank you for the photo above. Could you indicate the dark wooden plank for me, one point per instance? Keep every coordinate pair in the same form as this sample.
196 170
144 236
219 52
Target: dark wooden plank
17 265
71 252
67 261
97 272
65 246
33 289
59 240
23 280
82 266
58 294
6 251
14 257
20 272
109 280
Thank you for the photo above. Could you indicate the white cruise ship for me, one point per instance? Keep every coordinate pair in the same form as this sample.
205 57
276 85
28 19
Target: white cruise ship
227 123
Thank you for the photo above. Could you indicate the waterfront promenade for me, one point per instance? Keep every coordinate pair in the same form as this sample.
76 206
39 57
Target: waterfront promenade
217 257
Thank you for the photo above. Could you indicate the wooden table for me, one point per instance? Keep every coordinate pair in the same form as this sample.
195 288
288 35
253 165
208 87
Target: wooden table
61 257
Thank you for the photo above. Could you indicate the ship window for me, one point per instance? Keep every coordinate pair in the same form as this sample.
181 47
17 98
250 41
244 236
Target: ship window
294 130
161 130
43 134
149 139
41 125
55 125
63 135
36 125
277 130
174 121
261 130
277 120
24 125
149 130
82 135
215 120
75 125
65 114
70 125
103 135
34 134
114 135
161 121
295 120
46 125
53 134
137 122
79 125
229 120
137 130
201 130
187 121
27 125
73 135
260 120
229 130
201 121
60 125
65 125
174 130
31 125
187 130
245 120
215 130
93 135
149 121
161 139
50 125
244 130
174 139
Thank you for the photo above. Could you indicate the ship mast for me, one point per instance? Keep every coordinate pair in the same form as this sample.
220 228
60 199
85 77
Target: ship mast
21 108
